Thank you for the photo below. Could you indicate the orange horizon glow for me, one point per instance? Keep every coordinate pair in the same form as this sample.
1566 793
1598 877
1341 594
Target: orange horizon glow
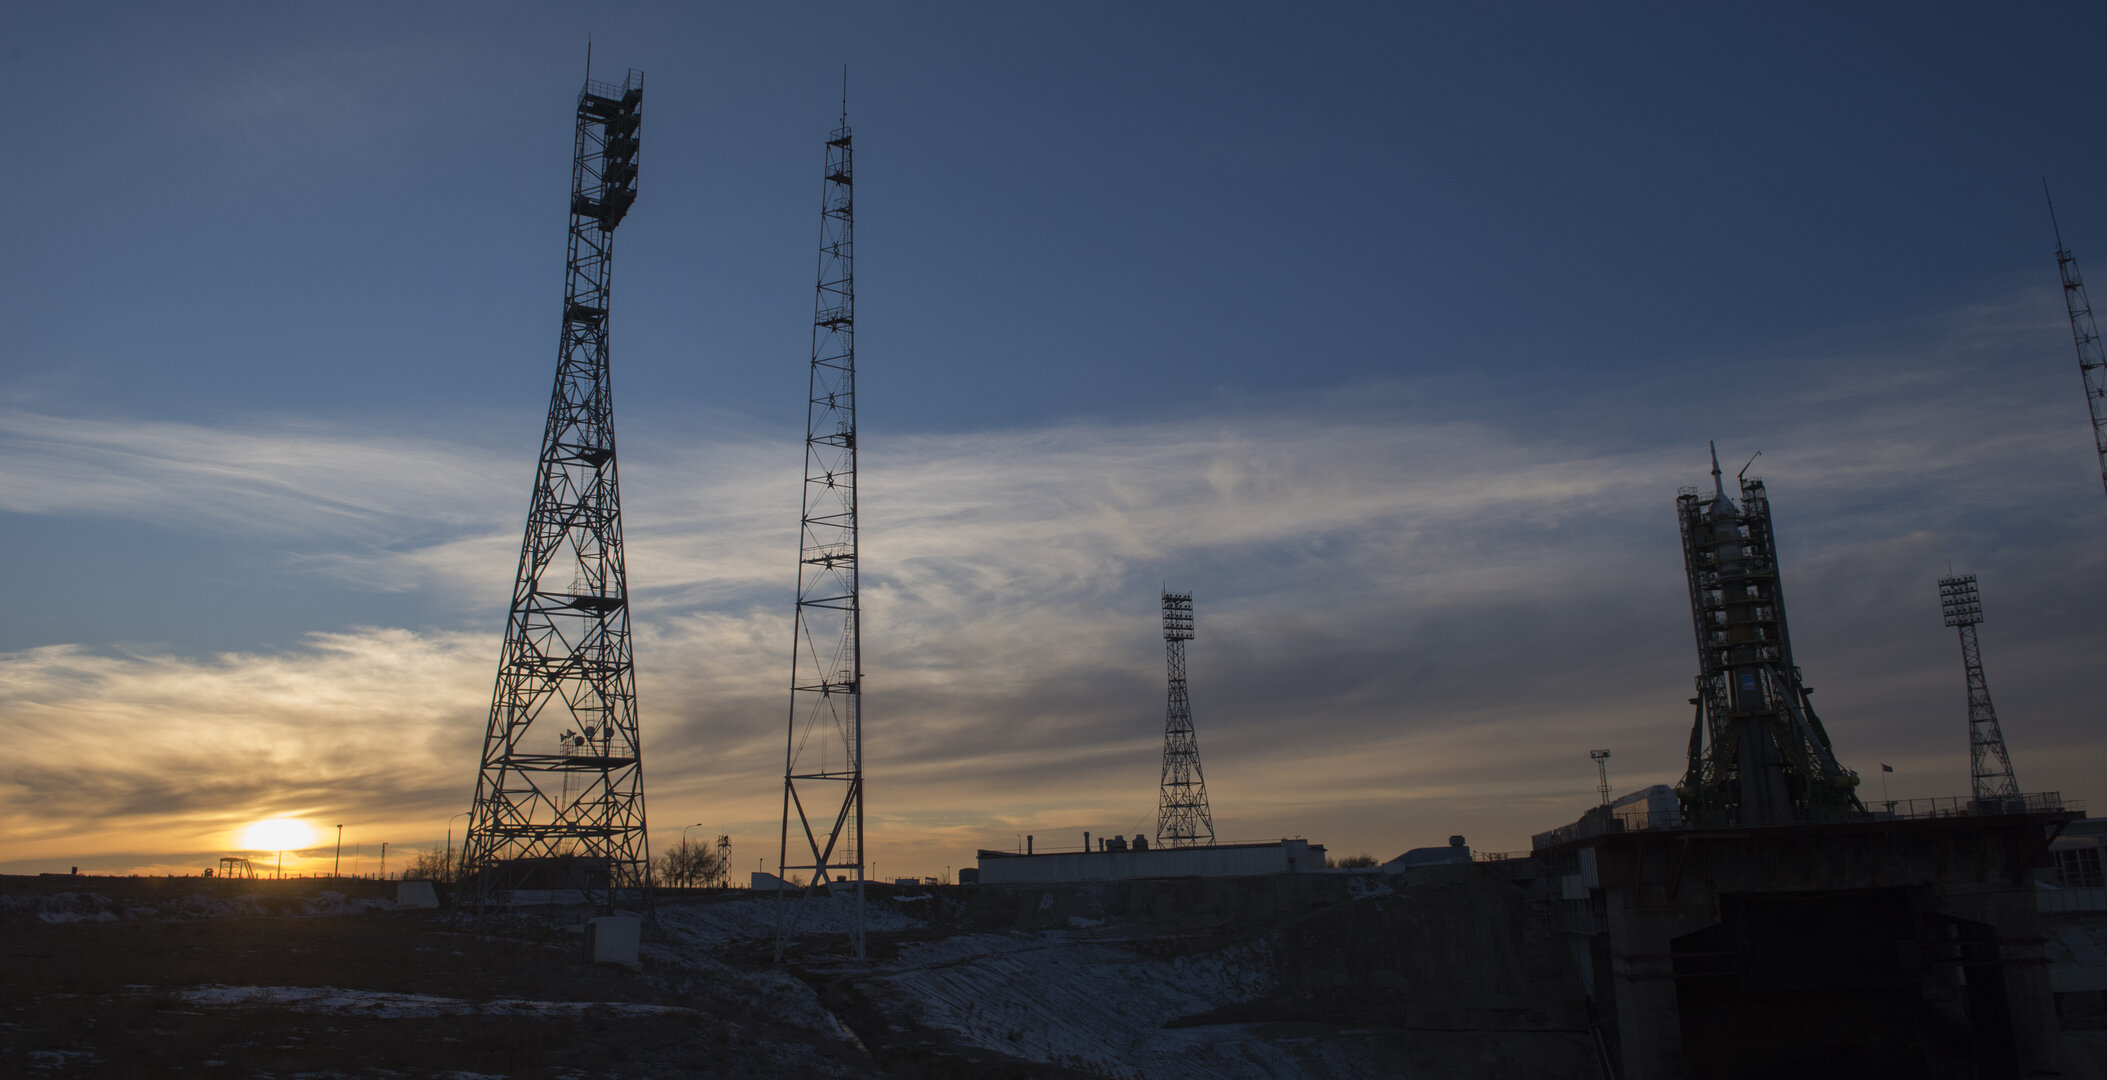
277 834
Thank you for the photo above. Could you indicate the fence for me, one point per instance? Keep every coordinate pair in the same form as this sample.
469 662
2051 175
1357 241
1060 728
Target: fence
1597 823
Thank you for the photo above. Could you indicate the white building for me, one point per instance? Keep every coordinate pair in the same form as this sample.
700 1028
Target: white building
1215 860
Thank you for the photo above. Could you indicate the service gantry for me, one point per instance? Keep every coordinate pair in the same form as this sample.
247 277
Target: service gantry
1758 753
1182 817
559 799
2092 359
823 761
1989 767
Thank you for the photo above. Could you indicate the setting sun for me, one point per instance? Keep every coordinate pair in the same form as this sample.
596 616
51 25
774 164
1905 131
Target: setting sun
277 834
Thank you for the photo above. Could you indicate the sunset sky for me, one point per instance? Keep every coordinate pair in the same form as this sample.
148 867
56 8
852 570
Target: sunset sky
1389 331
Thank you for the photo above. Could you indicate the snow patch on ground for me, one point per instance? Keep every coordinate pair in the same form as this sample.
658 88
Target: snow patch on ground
1361 887
46 1060
380 1004
1089 1005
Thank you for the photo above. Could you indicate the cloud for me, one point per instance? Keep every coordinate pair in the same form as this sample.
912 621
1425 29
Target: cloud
287 478
116 749
1414 619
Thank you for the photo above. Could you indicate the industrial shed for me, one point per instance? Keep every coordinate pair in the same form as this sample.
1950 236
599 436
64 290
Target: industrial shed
1213 860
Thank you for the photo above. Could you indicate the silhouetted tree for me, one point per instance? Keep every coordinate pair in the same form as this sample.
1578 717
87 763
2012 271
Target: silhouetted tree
431 864
690 864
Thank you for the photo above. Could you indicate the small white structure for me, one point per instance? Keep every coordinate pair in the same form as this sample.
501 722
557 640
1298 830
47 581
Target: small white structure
1653 807
770 883
1214 860
613 939
415 894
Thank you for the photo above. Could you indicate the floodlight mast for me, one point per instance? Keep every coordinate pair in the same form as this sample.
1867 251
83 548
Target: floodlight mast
2092 358
1182 815
823 758
1989 767
571 815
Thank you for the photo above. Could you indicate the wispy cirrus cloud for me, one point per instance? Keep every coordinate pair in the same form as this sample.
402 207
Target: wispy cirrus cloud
1412 621
284 477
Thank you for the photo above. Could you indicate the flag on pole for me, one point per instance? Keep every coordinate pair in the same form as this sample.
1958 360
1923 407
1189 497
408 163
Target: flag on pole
1885 767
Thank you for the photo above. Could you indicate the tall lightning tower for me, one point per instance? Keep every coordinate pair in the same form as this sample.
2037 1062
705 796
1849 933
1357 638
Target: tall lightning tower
1758 753
560 798
1182 818
1989 766
823 762
2092 360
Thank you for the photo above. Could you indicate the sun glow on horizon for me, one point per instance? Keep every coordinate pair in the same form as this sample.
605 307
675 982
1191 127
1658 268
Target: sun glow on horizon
277 834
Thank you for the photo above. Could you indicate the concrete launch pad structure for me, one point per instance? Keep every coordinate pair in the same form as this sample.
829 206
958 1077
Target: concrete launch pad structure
1894 946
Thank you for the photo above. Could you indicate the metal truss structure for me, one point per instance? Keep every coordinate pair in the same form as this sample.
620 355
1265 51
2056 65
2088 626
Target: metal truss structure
2092 359
1989 767
1182 817
1758 753
823 758
559 802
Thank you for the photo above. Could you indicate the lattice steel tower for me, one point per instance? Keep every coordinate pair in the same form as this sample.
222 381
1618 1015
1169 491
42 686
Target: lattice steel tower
1758 753
1989 767
560 799
823 761
2092 360
1182 818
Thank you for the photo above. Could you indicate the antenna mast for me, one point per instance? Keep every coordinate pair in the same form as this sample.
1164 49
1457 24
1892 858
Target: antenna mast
823 759
561 806
1989 767
2092 360
1182 818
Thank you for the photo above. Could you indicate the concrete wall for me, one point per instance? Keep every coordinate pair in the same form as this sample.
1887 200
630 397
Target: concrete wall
1229 860
1725 947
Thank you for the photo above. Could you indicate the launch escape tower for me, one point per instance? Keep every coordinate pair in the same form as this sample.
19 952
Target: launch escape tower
559 801
823 761
1182 818
1758 753
1989 767
2092 360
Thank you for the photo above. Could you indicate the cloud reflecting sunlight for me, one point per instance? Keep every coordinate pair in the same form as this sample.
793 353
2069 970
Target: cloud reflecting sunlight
1414 619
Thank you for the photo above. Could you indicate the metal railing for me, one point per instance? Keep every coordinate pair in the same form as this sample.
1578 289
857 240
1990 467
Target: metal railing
1953 806
2041 802
614 91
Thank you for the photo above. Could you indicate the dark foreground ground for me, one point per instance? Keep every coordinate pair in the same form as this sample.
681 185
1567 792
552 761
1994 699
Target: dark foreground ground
121 999
1447 974
128 977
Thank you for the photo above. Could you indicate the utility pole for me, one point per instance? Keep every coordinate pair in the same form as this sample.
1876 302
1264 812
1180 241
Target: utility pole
1989 767
1182 816
337 862
823 756
2092 360
573 818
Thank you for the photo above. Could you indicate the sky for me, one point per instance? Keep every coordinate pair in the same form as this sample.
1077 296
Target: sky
1389 331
